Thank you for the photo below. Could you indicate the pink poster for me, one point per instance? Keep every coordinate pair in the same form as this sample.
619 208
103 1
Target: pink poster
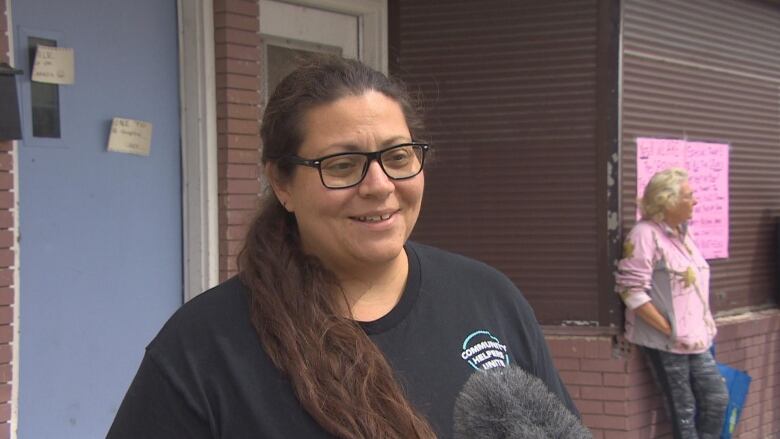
708 170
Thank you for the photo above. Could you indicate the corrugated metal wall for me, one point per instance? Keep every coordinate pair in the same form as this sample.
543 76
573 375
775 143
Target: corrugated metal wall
510 94
710 70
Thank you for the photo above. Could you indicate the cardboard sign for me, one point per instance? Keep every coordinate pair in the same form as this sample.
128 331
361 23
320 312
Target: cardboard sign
53 65
708 174
130 136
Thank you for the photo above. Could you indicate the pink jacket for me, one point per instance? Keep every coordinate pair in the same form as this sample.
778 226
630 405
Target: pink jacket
666 267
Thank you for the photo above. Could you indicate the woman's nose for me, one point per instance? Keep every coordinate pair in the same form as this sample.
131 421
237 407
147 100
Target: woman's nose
376 182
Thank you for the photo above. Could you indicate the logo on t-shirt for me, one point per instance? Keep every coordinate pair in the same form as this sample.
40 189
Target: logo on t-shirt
483 351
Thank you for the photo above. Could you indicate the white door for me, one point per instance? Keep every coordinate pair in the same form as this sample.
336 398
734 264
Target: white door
350 28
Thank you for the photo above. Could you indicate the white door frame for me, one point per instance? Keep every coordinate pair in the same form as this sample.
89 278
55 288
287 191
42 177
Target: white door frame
198 146
372 22
198 116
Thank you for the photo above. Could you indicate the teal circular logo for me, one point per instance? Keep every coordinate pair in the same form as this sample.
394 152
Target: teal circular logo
483 351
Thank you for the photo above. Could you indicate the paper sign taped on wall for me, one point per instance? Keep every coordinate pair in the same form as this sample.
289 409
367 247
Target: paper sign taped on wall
130 136
708 173
53 65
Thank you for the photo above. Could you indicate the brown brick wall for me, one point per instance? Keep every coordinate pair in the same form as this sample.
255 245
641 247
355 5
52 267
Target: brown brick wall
618 399
7 253
752 342
237 45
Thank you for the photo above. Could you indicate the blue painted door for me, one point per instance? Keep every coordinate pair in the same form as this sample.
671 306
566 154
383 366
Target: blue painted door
100 232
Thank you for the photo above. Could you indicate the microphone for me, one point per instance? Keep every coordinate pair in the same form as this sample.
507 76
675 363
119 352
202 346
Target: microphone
508 403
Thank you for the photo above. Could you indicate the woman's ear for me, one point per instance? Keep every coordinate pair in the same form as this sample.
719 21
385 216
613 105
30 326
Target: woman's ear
279 186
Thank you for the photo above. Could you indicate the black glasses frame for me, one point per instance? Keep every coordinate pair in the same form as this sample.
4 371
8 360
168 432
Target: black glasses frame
371 156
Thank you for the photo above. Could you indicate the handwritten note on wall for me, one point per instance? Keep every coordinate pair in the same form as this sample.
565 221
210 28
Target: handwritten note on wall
53 65
130 136
708 173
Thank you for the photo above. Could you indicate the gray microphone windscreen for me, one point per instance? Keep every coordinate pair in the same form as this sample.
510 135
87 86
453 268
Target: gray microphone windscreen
508 403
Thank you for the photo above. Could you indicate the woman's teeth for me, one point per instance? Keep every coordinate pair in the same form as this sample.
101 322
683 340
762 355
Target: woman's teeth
373 219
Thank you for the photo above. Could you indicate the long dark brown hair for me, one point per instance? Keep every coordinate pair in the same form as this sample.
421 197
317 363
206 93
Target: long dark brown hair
339 376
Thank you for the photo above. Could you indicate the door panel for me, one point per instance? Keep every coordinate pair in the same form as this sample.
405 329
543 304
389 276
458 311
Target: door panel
291 33
100 232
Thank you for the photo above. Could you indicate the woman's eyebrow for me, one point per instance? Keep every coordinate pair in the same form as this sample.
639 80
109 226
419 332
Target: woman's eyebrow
343 147
349 146
396 140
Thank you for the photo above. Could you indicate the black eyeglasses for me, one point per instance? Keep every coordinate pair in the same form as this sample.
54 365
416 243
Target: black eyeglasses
347 169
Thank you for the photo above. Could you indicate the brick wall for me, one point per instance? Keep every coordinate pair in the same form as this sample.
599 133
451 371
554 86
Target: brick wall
611 386
237 54
618 399
7 249
751 342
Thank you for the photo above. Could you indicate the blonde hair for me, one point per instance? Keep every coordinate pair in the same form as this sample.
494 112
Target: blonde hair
661 192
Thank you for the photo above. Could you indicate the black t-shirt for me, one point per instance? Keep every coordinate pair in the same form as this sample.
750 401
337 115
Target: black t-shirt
206 374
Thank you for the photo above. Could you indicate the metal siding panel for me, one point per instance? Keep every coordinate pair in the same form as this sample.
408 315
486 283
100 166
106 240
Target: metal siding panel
509 89
725 34
709 71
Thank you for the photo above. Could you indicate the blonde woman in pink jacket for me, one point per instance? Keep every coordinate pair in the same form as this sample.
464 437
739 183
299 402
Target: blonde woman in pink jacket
664 282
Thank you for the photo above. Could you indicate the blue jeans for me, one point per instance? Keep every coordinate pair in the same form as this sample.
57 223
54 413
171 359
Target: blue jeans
696 395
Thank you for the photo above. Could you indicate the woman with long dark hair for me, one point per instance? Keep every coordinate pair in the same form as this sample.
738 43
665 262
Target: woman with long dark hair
336 326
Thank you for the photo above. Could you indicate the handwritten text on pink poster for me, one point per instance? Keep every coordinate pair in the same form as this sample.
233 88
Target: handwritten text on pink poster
708 173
